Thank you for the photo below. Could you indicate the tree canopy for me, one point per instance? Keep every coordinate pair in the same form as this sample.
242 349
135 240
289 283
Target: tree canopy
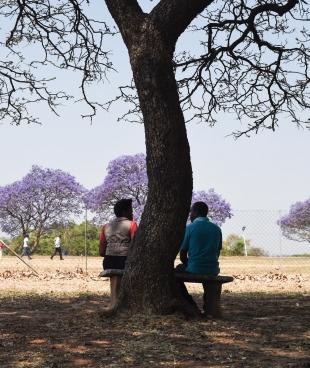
219 209
39 201
296 224
127 178
251 59
233 245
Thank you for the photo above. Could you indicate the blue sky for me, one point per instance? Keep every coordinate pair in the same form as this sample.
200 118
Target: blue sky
267 171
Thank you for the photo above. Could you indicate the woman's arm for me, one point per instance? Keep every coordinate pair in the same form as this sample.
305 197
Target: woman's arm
102 242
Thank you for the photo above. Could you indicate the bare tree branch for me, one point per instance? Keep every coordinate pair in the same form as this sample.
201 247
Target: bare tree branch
68 39
254 60
174 16
243 70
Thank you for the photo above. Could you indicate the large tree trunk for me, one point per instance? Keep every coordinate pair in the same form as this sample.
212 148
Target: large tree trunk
148 284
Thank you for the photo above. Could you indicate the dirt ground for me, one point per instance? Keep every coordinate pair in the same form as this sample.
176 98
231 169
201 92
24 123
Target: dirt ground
54 321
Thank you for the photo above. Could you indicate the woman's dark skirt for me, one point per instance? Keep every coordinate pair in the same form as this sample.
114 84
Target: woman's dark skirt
114 262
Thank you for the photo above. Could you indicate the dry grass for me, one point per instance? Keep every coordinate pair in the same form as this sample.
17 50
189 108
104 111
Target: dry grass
252 274
53 321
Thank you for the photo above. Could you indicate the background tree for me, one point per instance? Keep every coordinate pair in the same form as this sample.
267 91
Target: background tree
233 245
219 208
73 240
248 63
296 224
127 178
38 201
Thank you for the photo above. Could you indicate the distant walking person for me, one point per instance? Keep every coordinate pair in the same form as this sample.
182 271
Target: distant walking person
1 248
26 249
57 247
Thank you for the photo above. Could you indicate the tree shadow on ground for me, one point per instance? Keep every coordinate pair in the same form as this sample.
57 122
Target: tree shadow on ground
258 330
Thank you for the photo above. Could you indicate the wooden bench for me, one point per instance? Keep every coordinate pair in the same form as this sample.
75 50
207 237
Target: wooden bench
213 287
109 273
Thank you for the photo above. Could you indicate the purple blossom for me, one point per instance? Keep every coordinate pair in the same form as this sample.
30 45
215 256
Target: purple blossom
44 197
296 224
219 208
127 178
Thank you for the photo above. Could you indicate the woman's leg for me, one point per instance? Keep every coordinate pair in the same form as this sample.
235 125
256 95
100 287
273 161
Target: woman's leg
115 284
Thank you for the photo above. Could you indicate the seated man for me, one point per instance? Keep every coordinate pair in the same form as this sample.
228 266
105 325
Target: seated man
201 247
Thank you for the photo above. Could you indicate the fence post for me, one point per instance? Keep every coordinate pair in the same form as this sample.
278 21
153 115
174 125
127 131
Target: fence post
280 235
280 240
85 240
244 242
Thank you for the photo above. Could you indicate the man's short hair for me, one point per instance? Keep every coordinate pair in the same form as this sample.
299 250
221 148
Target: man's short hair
201 208
122 206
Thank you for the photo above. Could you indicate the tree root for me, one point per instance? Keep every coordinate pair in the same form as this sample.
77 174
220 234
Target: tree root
176 306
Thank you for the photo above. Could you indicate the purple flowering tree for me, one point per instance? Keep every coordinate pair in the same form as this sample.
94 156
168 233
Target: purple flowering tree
296 224
127 178
43 198
219 208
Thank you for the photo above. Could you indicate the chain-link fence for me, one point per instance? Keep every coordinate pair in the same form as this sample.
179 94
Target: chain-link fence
260 229
257 230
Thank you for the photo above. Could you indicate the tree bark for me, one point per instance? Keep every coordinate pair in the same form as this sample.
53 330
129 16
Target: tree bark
148 284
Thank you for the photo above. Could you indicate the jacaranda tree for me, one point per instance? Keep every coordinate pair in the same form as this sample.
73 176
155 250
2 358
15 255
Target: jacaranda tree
42 199
219 208
251 58
296 224
127 178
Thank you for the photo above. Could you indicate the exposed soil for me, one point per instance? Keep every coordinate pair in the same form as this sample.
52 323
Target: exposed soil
252 274
258 330
54 321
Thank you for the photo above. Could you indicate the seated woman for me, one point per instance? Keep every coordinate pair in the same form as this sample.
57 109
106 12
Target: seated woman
115 239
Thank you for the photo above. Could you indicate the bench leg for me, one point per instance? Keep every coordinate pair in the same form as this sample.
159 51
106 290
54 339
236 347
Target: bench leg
212 299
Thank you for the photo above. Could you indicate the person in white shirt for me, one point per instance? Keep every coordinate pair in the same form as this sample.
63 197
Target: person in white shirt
57 248
26 248
1 248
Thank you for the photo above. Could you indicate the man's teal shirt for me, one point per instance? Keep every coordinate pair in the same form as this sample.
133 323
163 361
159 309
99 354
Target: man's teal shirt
203 242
